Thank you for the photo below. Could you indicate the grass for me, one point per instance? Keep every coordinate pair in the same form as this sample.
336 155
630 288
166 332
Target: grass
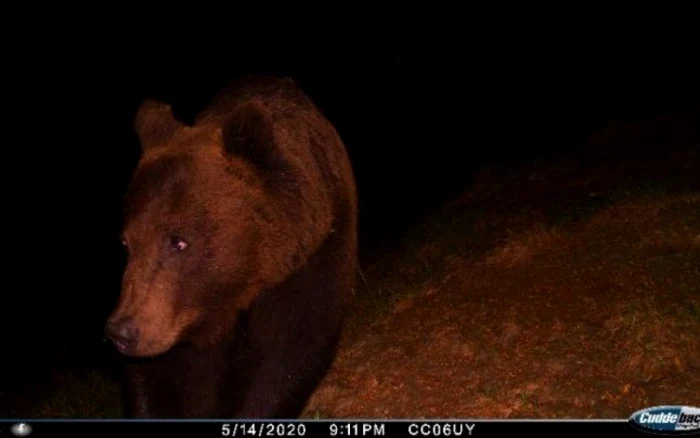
71 395
581 282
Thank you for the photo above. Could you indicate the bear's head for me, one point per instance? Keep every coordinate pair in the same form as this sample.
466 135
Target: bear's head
201 227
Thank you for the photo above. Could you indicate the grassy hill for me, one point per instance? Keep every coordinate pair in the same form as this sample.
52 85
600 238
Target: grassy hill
567 287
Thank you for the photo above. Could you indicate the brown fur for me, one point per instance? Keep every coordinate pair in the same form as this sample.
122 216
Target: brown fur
260 187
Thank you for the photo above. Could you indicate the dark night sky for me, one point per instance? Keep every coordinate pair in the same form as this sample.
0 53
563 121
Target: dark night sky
418 124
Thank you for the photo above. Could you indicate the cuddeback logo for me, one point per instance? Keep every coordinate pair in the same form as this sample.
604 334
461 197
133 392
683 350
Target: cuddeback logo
668 420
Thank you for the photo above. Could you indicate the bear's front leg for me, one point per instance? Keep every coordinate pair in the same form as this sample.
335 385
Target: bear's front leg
184 383
286 378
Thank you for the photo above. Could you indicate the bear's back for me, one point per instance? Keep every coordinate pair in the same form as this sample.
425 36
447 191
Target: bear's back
274 92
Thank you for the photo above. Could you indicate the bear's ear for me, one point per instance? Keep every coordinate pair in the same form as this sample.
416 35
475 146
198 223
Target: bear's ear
247 133
155 123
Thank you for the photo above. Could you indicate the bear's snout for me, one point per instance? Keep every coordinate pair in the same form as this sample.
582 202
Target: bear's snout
123 333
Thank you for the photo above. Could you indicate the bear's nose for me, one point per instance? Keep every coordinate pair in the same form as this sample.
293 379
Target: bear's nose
123 333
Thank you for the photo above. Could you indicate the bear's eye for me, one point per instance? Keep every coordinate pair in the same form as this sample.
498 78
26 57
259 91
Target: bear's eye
178 243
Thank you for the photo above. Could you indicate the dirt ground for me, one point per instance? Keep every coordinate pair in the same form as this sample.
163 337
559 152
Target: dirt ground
568 288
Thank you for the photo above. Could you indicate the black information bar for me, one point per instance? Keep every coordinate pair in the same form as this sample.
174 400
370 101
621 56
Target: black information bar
314 428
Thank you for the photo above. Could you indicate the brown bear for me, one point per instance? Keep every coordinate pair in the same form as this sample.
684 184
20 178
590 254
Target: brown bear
241 232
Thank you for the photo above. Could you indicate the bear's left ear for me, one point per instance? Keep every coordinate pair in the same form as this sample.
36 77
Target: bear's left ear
248 134
155 123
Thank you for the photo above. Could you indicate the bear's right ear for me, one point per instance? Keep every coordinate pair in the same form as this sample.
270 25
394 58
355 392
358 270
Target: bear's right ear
247 133
155 123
